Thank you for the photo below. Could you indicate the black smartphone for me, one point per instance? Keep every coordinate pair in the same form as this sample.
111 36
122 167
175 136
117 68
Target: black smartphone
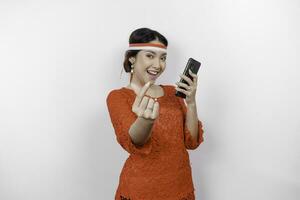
194 66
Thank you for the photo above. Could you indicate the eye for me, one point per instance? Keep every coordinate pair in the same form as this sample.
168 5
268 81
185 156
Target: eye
164 58
149 55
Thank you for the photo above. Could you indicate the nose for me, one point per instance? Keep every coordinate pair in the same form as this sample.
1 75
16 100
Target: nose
156 63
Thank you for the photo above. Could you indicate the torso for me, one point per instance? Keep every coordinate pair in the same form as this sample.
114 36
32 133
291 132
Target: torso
170 163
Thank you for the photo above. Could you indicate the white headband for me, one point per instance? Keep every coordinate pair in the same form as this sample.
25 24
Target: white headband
147 46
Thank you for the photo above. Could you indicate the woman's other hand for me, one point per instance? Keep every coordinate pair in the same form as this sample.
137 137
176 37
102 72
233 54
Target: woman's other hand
190 88
144 106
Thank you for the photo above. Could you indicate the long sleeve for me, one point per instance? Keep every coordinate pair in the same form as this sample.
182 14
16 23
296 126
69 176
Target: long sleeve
122 118
190 142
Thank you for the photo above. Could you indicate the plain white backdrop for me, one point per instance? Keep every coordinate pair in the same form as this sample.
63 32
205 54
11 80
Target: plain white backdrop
60 59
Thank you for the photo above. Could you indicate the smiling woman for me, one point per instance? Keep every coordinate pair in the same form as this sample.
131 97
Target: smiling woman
154 73
149 123
150 46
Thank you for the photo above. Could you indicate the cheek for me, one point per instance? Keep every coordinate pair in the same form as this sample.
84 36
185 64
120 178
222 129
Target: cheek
144 63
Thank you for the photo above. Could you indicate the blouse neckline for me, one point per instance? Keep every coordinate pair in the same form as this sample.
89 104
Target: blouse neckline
154 98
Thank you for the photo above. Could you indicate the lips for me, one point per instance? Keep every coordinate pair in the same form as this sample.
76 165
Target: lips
153 72
152 76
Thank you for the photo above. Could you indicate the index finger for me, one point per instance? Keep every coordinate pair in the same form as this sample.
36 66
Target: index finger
142 92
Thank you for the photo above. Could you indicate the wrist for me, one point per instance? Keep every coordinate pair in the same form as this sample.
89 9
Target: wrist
191 105
145 120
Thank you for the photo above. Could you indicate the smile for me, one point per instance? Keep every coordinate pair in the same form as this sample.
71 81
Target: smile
152 74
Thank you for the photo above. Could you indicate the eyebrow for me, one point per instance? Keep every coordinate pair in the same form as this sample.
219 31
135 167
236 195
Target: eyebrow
155 52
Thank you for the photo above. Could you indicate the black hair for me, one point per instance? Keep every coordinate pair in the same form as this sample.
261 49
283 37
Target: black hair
141 35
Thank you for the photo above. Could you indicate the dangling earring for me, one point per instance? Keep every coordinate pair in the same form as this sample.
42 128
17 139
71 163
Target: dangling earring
131 73
131 70
132 67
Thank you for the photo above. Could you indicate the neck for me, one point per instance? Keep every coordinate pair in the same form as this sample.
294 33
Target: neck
137 84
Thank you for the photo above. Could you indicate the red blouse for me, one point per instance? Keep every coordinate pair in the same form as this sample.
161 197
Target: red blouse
160 169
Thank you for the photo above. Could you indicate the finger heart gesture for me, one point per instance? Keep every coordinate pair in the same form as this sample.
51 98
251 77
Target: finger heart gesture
144 106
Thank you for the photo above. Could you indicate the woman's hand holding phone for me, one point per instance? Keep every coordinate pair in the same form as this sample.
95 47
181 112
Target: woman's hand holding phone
144 106
190 88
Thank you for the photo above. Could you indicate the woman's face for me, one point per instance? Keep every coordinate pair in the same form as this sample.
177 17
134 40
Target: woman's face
146 62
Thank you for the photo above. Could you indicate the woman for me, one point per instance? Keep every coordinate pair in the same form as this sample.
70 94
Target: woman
153 125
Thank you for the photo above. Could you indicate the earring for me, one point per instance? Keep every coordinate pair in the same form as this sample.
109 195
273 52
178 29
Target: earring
131 70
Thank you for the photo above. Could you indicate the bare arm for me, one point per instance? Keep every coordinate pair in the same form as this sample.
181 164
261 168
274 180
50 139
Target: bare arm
140 130
192 120
191 117
147 111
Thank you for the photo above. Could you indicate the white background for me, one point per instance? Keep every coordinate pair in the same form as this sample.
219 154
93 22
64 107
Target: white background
60 59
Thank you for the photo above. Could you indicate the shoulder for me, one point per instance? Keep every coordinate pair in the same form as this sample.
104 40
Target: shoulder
169 88
116 94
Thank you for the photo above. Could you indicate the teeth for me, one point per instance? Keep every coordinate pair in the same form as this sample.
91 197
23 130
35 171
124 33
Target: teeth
152 72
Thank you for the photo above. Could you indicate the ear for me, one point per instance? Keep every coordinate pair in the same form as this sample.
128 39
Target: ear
131 60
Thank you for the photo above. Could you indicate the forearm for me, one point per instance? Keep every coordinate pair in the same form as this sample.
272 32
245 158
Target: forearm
140 130
192 120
